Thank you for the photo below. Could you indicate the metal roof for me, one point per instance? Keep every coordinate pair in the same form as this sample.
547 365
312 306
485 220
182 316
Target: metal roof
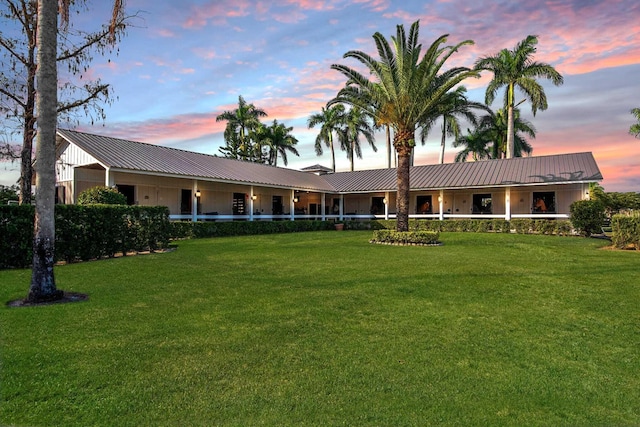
520 171
148 158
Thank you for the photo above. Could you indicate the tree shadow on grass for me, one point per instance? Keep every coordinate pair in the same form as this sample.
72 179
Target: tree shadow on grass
64 297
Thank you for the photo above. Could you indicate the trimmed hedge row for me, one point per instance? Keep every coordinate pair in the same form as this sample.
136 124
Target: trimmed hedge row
406 237
188 230
626 230
85 232
520 226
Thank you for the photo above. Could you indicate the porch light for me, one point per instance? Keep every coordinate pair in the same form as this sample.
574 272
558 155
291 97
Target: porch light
198 194
254 197
295 199
439 199
384 200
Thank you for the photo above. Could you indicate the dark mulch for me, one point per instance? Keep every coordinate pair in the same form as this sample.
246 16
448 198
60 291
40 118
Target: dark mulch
64 298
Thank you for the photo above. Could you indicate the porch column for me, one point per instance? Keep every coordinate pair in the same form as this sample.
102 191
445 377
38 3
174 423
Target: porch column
507 204
194 205
109 181
323 201
386 203
441 205
292 206
251 203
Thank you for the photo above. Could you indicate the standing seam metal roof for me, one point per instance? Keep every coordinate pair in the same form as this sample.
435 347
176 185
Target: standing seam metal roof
148 158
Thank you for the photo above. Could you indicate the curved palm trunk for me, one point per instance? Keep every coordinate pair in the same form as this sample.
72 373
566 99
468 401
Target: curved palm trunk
43 285
333 155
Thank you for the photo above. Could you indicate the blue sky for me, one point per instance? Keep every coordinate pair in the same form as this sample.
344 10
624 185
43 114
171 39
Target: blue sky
183 63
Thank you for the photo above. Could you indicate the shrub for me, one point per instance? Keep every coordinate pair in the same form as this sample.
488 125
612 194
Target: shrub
626 230
101 196
405 237
16 236
587 216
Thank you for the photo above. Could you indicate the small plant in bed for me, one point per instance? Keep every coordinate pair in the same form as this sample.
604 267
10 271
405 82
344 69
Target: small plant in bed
415 238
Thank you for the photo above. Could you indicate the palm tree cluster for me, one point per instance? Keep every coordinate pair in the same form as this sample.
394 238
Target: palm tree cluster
635 128
405 90
347 126
249 139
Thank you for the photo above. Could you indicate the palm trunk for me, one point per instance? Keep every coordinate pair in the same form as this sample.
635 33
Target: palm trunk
43 285
333 156
352 154
442 144
510 135
402 201
388 130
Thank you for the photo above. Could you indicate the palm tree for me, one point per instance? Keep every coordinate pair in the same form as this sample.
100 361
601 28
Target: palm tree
475 145
279 142
332 119
43 285
635 128
456 106
404 92
494 128
517 69
240 122
357 123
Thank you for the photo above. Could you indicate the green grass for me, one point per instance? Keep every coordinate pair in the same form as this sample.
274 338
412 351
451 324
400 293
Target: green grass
323 328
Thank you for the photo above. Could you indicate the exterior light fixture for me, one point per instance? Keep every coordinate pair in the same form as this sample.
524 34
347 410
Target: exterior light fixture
439 199
295 199
198 194
384 200
254 197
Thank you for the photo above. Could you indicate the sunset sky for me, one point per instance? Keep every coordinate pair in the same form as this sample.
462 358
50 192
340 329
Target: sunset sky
184 62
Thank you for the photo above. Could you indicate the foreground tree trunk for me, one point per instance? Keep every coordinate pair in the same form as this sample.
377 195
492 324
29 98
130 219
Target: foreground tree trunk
510 132
402 199
43 286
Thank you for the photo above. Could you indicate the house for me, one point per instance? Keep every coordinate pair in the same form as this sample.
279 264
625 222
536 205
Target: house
197 186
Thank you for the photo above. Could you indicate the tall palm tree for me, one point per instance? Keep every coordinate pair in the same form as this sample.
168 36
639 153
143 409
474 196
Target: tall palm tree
494 127
240 122
332 119
404 92
357 123
517 69
43 285
455 106
475 145
279 142
635 128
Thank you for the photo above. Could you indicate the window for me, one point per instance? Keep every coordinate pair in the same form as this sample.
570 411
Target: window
239 204
544 202
60 194
129 192
377 205
423 205
185 202
276 205
482 204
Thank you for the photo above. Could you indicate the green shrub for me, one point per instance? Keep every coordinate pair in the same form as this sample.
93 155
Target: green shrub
101 196
405 237
626 230
16 236
587 216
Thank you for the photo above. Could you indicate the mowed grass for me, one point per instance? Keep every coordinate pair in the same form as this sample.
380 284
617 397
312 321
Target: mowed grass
323 328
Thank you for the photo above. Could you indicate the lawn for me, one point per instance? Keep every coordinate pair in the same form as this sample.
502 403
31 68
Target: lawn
323 328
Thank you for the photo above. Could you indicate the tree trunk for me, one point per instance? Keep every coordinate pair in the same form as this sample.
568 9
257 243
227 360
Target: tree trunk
28 132
402 200
510 143
388 130
333 155
442 143
43 285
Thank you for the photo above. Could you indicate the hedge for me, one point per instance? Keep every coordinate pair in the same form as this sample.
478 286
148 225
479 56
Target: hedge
85 232
626 230
187 229
520 226
406 237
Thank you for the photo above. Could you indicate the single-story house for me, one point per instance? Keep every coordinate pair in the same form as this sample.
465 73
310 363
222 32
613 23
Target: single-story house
197 186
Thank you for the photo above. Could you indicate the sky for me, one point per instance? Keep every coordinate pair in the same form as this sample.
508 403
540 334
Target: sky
182 63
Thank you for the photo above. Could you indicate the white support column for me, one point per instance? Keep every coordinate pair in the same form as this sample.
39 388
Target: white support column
386 203
507 204
251 203
322 206
194 205
292 206
109 181
341 207
441 205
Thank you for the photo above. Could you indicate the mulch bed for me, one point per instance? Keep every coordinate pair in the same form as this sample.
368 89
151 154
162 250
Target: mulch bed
65 298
